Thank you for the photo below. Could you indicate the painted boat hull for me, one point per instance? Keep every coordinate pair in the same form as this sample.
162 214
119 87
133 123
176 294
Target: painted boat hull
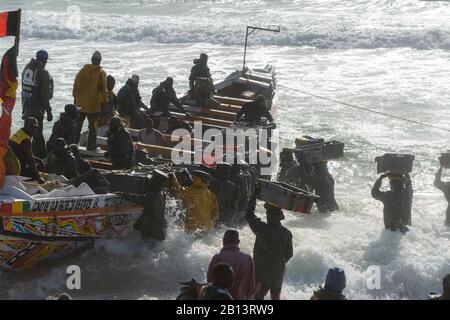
32 231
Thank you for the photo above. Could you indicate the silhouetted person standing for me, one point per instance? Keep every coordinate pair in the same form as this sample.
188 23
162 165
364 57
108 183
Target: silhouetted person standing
272 250
120 146
242 264
37 91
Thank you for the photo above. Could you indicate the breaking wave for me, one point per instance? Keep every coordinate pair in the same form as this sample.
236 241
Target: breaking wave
316 32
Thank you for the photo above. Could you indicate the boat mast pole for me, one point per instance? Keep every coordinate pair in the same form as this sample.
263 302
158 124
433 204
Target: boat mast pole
249 31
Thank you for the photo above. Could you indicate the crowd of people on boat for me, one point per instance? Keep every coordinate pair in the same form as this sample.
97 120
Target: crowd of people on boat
224 195
94 99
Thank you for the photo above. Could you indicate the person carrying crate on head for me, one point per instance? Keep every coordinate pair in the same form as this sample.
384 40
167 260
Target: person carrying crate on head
397 201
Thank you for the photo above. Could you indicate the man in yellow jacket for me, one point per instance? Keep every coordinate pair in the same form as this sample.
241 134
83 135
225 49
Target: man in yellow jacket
90 93
201 204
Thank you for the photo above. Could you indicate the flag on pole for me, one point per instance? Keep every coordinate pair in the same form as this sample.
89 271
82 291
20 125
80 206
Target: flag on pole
8 89
9 22
8 75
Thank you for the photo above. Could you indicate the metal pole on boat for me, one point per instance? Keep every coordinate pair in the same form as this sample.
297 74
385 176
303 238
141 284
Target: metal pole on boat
249 31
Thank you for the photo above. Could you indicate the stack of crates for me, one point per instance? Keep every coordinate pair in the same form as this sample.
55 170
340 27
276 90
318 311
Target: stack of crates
311 151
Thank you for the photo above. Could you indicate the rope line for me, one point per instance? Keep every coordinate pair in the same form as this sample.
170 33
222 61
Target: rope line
364 109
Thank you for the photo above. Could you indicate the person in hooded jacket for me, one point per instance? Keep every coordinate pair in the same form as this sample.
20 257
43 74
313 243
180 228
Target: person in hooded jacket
334 285
60 161
201 204
129 102
120 148
201 86
162 96
37 91
227 193
252 111
200 69
152 223
66 127
90 93
272 250
242 264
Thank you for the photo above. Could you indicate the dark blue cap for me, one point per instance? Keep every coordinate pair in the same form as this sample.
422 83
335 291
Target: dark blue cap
336 280
42 55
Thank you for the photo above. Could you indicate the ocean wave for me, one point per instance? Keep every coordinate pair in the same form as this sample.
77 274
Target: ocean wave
333 34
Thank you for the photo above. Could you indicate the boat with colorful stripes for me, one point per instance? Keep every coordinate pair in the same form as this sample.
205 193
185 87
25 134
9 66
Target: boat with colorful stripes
40 222
53 224
34 228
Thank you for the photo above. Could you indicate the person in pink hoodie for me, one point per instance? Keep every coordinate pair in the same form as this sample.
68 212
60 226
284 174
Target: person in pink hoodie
242 264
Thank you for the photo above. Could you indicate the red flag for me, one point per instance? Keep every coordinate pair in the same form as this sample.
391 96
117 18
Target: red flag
8 89
9 23
9 74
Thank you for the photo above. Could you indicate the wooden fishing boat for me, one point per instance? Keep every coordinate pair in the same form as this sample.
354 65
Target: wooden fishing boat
35 228
232 93
37 223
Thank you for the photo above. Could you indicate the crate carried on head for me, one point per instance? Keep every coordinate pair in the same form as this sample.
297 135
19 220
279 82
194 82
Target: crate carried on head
395 163
311 151
444 160
285 196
